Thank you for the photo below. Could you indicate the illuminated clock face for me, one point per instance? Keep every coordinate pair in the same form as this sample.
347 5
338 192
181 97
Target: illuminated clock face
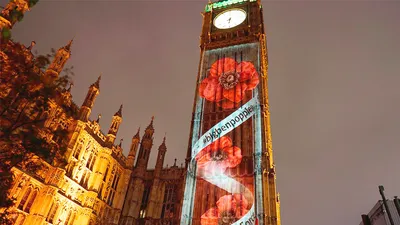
229 18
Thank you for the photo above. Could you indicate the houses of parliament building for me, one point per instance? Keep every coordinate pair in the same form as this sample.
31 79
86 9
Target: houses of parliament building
99 185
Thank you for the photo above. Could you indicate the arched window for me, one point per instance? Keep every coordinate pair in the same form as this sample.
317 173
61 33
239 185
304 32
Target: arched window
52 212
30 202
89 160
86 181
78 150
106 173
24 198
20 220
72 219
170 197
68 217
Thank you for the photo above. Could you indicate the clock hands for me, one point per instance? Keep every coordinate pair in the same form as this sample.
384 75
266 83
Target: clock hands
229 18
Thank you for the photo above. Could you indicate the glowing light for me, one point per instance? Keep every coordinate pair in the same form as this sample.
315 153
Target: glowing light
226 3
229 76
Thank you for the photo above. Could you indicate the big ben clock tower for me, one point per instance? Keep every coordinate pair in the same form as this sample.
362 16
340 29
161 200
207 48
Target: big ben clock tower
231 172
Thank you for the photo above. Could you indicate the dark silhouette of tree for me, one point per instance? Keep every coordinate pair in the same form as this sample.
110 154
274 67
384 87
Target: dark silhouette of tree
13 13
25 102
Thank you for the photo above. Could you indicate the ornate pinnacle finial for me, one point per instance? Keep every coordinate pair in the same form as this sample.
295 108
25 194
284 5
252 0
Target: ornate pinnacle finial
33 43
97 83
150 126
163 146
120 142
68 46
98 118
70 86
137 135
175 162
119 112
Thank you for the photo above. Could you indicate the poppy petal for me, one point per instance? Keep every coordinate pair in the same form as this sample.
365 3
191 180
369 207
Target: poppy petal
234 156
225 141
210 217
221 143
211 89
235 94
253 82
247 70
222 66
226 203
202 87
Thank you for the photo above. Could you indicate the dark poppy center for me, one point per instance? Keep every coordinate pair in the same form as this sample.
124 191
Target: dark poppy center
229 80
227 218
218 155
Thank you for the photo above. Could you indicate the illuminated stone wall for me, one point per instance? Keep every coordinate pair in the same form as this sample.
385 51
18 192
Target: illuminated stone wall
92 187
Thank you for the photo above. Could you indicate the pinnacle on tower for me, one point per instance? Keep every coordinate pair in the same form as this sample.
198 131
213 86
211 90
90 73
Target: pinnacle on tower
98 118
68 46
70 87
97 83
120 142
150 126
163 146
119 112
33 43
137 135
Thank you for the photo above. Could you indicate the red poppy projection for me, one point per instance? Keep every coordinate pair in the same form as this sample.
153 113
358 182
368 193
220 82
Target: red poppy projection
222 185
228 81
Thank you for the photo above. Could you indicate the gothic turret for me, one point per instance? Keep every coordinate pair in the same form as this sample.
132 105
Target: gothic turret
160 158
148 133
115 123
55 68
155 199
87 105
134 147
145 146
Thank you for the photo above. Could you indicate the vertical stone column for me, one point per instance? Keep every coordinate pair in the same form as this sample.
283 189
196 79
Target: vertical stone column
160 201
83 216
41 205
99 170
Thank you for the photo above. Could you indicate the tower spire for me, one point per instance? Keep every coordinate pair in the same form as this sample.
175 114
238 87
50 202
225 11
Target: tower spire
119 112
88 103
150 126
68 46
70 86
98 118
97 83
55 67
115 123
137 135
134 147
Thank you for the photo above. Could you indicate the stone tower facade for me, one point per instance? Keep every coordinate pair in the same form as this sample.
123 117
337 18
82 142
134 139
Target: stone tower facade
231 175
154 196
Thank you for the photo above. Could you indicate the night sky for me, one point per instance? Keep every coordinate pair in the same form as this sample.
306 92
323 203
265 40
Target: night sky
333 76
